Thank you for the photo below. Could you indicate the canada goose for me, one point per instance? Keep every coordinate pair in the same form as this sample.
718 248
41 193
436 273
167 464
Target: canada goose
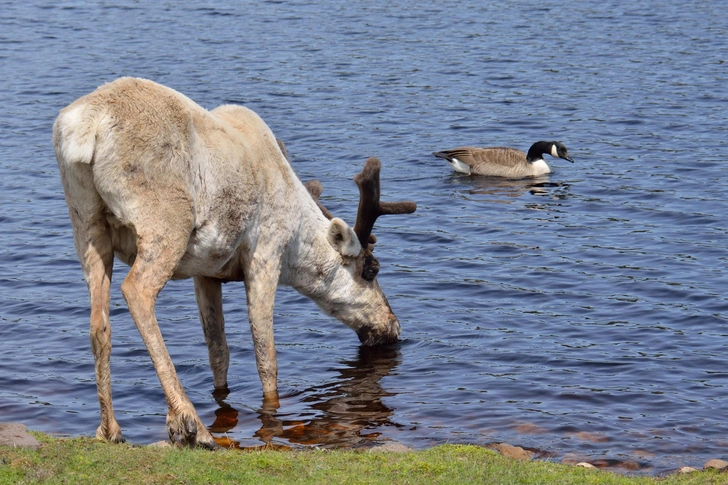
504 161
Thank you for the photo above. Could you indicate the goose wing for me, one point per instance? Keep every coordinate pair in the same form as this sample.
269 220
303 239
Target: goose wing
488 160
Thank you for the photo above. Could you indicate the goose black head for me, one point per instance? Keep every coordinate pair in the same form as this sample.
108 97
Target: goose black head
554 148
559 150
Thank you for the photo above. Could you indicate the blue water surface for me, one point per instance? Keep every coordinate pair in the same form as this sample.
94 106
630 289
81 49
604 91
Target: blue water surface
582 315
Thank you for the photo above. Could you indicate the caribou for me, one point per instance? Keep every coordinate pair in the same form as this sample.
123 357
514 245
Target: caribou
176 191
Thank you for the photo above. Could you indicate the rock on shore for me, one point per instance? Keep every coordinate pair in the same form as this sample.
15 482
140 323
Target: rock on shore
16 434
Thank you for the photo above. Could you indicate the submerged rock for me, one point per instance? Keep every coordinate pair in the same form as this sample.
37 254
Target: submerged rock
572 459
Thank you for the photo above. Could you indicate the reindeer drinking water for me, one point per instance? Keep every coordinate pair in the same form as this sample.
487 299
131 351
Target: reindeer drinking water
176 191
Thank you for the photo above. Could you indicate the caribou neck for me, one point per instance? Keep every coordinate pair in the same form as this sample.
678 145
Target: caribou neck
309 257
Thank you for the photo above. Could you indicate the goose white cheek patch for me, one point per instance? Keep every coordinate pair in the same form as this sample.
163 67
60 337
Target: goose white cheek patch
554 152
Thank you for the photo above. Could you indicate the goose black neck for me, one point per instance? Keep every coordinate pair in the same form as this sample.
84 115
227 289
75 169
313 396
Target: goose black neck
538 149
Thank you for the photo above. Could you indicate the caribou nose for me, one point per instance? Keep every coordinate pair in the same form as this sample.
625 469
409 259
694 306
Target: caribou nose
371 335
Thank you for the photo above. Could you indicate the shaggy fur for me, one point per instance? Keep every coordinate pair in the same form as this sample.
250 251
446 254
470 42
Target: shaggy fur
177 191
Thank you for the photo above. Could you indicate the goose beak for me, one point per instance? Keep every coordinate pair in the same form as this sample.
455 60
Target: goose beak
569 159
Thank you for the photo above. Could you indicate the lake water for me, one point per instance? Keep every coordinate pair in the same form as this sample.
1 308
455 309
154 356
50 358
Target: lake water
579 314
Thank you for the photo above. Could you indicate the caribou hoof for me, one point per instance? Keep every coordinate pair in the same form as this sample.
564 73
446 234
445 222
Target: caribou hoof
220 394
187 431
112 436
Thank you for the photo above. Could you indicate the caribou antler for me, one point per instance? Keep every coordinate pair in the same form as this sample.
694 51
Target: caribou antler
315 188
370 208
282 146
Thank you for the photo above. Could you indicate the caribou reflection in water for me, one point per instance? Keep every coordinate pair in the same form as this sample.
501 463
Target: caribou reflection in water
349 411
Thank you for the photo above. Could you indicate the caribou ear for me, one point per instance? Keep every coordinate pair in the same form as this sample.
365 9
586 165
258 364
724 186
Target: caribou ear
343 238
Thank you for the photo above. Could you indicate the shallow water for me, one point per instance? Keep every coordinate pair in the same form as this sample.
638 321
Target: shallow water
581 313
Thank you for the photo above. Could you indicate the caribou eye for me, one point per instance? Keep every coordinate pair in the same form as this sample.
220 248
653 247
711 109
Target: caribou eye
371 268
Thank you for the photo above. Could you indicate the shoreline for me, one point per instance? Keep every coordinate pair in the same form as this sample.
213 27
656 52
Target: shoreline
17 435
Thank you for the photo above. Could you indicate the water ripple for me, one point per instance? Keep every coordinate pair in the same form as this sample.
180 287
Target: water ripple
582 313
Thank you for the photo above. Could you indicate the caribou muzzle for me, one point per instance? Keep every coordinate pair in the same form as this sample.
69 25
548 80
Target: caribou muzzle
370 335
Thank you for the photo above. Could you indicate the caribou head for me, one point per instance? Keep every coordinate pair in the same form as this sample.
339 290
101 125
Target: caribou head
354 295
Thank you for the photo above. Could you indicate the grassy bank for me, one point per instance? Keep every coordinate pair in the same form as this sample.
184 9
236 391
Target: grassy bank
85 460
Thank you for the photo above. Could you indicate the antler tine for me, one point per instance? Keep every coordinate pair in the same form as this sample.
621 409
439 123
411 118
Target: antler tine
282 146
315 188
370 207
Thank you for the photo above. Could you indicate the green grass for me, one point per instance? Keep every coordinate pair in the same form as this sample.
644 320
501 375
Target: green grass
86 460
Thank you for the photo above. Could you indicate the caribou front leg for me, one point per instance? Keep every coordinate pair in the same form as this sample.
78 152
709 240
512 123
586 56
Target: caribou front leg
209 303
261 281
155 262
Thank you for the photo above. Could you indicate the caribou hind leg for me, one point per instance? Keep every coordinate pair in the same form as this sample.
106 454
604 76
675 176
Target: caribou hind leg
160 247
93 245
98 263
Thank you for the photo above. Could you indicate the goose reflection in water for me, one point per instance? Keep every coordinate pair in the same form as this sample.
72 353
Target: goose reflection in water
500 189
348 411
